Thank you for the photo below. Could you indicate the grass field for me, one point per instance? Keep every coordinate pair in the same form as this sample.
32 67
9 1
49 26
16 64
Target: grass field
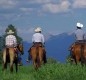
54 71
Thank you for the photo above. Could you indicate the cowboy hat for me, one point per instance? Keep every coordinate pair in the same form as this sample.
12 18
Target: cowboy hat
79 25
10 32
38 29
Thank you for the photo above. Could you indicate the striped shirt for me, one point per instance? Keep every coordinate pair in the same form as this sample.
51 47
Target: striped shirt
11 41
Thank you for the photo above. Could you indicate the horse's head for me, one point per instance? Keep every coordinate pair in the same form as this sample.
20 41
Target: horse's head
20 48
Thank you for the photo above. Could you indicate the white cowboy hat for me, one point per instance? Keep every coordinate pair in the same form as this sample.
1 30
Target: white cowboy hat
10 32
79 25
38 29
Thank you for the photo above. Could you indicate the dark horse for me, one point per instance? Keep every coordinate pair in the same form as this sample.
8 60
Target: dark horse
37 54
11 56
79 52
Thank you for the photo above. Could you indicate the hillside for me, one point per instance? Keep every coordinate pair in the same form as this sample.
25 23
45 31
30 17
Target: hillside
57 46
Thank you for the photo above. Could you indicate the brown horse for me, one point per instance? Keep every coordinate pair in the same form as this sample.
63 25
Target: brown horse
10 55
37 54
79 53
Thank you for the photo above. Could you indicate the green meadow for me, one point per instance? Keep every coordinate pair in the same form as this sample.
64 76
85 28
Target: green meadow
54 71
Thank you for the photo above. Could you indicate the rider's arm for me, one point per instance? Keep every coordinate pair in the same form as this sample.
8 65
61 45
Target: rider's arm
15 40
43 40
32 39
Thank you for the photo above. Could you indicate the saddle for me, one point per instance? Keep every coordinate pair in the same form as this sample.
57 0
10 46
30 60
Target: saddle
37 44
81 44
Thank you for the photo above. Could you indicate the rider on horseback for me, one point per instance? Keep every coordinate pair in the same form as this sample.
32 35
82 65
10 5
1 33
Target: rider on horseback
10 41
38 38
79 35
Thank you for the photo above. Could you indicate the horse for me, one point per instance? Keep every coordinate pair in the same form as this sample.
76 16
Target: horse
79 52
10 55
37 55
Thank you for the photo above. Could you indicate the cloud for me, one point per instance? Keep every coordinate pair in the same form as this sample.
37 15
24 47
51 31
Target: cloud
50 6
39 1
8 3
16 9
79 4
56 8
26 10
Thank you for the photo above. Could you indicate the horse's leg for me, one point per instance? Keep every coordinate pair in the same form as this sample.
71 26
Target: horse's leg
35 64
84 54
11 65
34 60
4 65
34 55
16 64
4 60
44 56
77 59
11 52
85 59
40 57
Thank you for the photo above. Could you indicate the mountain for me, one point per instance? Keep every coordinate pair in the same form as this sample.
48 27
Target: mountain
56 47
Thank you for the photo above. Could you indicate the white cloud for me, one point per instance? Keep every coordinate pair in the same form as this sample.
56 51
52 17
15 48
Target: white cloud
26 10
56 8
17 9
79 4
7 3
39 1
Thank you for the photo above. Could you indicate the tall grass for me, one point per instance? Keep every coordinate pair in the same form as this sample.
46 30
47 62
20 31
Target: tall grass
54 71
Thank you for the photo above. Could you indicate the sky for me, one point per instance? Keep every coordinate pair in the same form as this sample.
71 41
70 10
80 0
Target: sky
53 16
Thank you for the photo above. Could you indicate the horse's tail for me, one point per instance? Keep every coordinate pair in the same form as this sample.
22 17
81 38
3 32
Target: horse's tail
7 55
37 51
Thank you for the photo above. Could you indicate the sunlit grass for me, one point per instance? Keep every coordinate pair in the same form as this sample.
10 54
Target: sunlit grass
54 71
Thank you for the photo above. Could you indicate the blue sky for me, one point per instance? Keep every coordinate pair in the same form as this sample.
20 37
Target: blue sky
53 16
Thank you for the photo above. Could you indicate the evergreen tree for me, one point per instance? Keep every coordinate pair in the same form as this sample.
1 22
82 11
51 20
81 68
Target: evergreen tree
11 27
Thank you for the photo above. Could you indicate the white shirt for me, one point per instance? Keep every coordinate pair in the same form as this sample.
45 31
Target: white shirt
11 41
79 34
38 37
